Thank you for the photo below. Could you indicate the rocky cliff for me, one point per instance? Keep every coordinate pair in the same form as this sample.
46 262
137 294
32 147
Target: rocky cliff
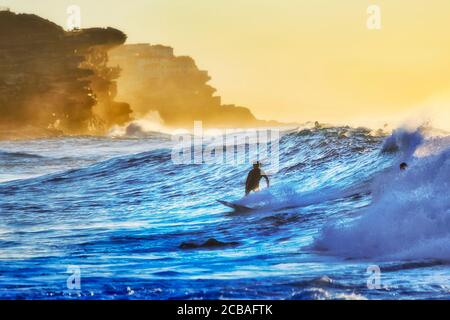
51 79
55 82
154 79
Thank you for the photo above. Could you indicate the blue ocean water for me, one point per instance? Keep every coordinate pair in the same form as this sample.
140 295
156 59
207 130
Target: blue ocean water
137 226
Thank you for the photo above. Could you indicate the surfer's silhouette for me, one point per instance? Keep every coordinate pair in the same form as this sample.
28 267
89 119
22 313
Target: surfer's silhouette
253 178
403 166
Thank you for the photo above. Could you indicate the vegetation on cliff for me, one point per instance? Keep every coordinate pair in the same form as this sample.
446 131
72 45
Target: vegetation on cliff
52 79
65 82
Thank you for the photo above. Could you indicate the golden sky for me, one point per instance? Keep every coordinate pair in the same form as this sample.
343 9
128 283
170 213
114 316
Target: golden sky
295 60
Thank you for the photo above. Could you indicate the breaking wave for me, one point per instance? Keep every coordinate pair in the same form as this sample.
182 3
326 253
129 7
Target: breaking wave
409 216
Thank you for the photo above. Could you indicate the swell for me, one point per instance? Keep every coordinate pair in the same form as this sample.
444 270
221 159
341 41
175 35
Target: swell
293 146
107 168
6 156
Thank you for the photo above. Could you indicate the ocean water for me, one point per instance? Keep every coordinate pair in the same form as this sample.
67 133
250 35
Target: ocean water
115 218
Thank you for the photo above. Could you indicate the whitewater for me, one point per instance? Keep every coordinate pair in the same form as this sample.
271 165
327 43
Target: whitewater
137 226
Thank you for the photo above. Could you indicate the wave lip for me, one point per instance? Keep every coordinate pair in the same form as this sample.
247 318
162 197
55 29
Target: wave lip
403 141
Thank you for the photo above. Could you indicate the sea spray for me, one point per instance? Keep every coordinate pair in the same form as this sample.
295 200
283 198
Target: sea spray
409 217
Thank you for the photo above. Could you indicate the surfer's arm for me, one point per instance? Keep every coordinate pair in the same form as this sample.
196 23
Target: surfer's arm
247 181
247 184
267 179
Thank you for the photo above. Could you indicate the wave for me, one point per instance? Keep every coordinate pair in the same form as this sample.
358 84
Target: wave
5 155
151 125
409 217
135 205
403 141
320 165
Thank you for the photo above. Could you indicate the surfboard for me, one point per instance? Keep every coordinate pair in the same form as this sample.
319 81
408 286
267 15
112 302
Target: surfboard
236 207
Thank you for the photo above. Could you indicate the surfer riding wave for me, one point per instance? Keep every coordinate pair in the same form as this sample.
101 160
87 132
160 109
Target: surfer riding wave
253 178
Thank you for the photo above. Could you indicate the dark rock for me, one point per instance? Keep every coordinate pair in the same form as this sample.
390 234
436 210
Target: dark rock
209 244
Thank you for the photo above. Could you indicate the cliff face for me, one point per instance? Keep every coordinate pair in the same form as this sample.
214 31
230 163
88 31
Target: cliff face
58 80
154 79
104 86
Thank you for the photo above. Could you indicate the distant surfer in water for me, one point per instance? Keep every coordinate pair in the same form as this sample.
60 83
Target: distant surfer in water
403 166
253 178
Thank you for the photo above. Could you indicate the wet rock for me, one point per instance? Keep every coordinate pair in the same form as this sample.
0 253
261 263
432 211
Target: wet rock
209 244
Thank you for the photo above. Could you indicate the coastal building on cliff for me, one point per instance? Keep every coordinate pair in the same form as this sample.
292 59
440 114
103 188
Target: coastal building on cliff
154 79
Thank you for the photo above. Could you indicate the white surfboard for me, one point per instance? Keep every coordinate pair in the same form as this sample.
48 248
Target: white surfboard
236 207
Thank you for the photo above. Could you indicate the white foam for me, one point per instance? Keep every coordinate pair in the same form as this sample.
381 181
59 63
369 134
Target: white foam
409 217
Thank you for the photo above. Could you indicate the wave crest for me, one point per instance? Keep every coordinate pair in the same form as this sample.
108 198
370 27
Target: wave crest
409 217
